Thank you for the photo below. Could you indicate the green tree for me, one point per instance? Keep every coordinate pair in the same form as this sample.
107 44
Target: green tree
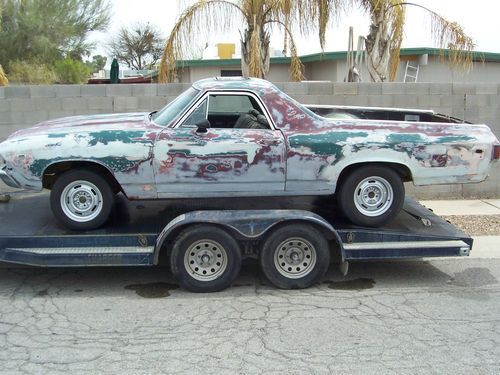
139 46
98 62
46 31
31 73
71 71
258 18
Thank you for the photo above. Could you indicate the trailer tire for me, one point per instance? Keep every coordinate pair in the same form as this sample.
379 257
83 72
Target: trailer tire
371 196
295 256
81 199
205 258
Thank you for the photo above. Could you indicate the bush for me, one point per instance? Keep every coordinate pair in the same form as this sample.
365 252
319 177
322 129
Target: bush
72 71
23 72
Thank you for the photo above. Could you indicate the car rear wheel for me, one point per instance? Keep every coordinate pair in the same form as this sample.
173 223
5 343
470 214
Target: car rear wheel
295 256
81 199
371 195
205 258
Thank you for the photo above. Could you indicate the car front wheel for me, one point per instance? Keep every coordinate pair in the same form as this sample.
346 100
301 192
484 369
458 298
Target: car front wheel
371 195
81 199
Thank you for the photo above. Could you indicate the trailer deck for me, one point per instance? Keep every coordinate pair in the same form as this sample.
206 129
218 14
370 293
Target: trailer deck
30 235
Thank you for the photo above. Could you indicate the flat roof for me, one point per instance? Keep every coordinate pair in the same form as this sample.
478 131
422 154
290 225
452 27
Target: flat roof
338 55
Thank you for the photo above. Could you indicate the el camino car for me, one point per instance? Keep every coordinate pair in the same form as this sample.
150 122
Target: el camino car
239 138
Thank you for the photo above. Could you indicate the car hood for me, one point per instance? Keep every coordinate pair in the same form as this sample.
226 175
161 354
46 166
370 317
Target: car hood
82 124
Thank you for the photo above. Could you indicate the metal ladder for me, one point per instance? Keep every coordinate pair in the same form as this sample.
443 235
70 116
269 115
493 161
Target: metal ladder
411 72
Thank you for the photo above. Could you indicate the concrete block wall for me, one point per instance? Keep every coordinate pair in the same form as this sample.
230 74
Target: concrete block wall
23 106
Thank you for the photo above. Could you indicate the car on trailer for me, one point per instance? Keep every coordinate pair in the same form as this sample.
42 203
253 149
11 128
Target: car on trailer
240 138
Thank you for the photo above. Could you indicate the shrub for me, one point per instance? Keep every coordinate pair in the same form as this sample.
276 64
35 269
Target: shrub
31 73
71 71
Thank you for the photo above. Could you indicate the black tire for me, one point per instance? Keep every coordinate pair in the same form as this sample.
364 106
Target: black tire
385 203
93 188
205 258
295 256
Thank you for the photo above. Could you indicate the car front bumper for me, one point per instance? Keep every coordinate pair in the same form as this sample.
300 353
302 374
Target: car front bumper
8 180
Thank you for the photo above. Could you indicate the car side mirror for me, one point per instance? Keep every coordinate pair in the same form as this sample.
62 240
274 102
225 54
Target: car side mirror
202 126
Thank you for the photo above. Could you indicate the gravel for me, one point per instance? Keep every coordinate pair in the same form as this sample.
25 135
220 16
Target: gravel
476 225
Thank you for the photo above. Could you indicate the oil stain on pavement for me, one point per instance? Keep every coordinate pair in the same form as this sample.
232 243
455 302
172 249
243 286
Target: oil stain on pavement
152 290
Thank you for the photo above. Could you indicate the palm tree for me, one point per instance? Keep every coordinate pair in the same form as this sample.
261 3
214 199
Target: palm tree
258 18
384 40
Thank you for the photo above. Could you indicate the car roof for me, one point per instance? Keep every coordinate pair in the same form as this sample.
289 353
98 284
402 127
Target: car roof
232 83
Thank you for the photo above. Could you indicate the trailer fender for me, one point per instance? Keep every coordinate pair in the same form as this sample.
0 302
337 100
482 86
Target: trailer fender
246 224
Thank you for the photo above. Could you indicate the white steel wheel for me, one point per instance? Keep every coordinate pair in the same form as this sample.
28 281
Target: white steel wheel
81 201
205 260
373 196
295 257
370 195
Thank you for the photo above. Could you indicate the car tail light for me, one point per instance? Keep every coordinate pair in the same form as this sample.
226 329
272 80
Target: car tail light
496 152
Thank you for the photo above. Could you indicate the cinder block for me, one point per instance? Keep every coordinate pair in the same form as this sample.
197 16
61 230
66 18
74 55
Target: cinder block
119 90
370 88
296 88
495 101
2 92
4 105
405 101
151 103
454 101
380 101
43 91
435 191
21 105
68 91
356 100
171 89
440 88
125 104
47 104
35 117
98 103
74 104
320 88
280 85
464 88
428 101
60 114
16 92
345 88
93 90
487 88
144 90
417 88
393 88
486 189
339 99
325 100
480 100
11 118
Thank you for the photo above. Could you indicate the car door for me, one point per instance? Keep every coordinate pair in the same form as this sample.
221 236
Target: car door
195 161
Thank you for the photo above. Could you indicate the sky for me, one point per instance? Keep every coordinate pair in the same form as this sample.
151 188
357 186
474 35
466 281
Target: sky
480 21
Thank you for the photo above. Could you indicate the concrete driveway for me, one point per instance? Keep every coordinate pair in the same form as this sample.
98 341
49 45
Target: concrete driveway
440 316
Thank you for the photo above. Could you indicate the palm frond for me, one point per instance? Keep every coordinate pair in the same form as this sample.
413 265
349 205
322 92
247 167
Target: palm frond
3 78
202 18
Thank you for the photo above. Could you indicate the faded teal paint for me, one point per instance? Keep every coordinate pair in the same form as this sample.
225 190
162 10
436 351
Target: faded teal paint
116 164
455 139
325 143
107 136
57 135
405 138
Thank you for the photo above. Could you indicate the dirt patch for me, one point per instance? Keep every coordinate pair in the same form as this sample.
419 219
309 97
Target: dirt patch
152 290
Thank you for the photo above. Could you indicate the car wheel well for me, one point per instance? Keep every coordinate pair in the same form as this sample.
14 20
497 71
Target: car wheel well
402 170
55 170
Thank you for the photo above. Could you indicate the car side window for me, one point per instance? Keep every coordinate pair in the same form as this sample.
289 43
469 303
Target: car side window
235 112
199 114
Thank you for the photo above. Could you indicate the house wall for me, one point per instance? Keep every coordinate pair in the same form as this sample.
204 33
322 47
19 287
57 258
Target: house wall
23 106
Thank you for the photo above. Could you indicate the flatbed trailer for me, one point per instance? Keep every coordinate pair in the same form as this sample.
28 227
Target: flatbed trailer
151 233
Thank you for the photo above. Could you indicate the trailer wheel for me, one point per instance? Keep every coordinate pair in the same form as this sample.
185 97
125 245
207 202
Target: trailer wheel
371 195
205 258
295 256
81 199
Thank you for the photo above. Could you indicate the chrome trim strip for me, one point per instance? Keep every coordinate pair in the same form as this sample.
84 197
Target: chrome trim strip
405 244
85 250
9 181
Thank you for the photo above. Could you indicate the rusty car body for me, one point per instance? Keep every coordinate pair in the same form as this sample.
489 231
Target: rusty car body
239 137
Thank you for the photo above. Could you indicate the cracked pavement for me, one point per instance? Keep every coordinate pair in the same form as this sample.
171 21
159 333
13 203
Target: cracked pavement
435 316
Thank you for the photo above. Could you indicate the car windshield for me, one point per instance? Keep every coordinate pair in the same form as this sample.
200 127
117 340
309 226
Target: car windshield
173 109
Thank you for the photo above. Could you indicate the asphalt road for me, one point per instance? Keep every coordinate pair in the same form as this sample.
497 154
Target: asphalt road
440 316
